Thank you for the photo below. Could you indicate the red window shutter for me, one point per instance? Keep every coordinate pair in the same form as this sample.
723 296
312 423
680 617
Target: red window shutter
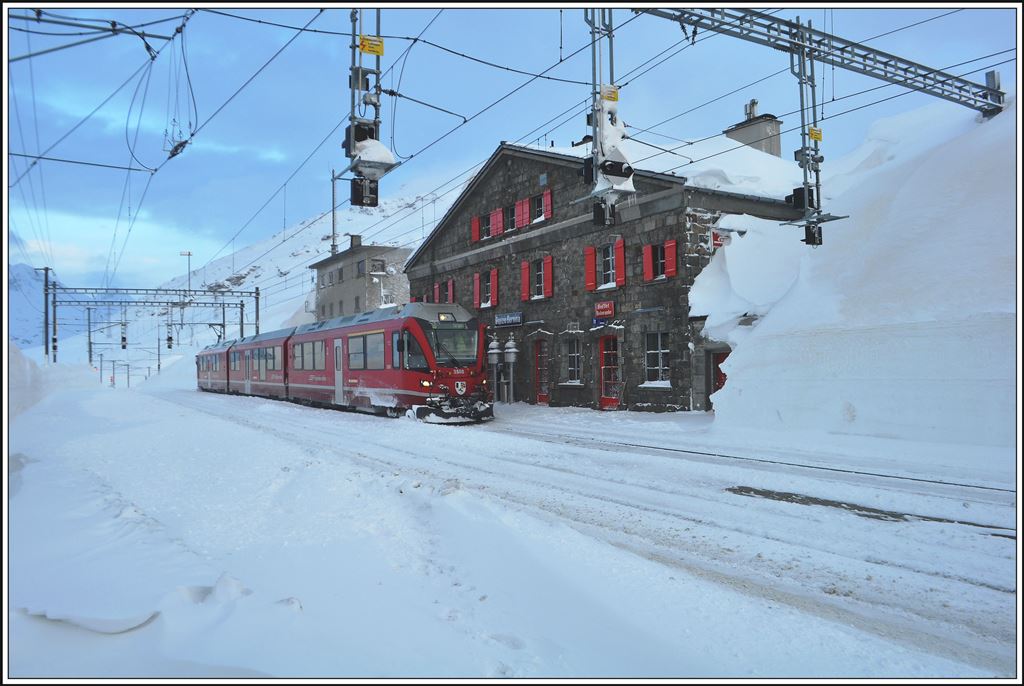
451 290
476 290
474 229
620 262
494 286
670 258
524 271
549 279
590 267
497 222
437 292
547 204
648 263
522 213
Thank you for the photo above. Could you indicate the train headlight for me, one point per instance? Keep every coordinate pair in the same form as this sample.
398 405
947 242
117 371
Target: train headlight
425 383
484 382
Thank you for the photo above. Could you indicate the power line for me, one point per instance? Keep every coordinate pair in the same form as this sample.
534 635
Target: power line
88 164
95 110
415 40
199 128
786 69
854 109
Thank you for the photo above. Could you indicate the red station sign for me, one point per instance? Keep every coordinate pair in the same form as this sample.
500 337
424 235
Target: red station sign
605 308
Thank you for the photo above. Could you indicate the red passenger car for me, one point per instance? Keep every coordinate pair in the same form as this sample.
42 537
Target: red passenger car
212 367
427 357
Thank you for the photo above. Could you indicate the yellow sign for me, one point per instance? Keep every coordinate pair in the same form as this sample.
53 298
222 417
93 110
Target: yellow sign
610 93
371 45
814 133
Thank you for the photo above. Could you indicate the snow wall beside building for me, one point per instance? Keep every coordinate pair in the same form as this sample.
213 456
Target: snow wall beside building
902 325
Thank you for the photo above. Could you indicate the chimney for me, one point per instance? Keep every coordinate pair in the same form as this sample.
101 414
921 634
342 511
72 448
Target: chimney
357 240
759 131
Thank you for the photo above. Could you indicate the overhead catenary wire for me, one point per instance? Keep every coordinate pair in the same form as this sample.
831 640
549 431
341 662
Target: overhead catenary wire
413 40
273 57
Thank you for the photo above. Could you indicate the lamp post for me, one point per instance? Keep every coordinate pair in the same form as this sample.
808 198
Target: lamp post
494 359
510 359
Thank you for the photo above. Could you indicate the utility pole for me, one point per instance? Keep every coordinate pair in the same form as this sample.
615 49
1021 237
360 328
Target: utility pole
55 324
46 310
188 254
334 214
257 310
158 341
241 319
101 368
88 324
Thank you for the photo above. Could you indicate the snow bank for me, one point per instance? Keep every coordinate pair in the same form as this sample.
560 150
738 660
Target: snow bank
27 383
902 324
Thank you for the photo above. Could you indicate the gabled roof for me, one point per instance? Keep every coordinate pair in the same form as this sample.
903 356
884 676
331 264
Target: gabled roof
507 149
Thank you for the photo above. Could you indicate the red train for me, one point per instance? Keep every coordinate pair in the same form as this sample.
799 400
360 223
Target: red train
425 357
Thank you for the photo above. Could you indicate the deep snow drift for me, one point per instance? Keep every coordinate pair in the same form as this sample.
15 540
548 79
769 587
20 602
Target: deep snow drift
901 325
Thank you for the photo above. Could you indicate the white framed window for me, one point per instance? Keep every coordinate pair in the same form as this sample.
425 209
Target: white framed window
485 289
571 359
537 268
657 357
658 260
537 207
485 226
606 265
510 217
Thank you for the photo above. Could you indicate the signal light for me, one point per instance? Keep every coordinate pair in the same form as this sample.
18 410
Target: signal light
364 193
124 342
170 340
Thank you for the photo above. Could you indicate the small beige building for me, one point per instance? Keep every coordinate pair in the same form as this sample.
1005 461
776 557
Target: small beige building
360 279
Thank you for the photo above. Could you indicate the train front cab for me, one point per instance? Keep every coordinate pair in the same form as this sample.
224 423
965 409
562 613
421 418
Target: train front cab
441 349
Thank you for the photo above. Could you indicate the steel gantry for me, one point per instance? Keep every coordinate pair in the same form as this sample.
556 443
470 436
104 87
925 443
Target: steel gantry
56 295
807 45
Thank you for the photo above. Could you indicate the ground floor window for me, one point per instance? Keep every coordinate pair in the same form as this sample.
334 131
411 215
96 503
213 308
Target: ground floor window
657 358
571 360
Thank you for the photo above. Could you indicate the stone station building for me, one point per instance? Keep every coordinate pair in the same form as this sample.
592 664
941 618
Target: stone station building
599 313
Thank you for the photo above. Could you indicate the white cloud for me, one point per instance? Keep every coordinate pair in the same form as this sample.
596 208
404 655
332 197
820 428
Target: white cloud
80 245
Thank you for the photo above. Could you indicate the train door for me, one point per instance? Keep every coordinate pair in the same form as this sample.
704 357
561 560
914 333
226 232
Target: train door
540 361
611 374
248 370
339 373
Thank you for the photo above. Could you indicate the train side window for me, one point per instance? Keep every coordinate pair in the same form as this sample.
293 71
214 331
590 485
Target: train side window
307 355
375 351
415 360
318 355
296 356
397 348
337 358
356 356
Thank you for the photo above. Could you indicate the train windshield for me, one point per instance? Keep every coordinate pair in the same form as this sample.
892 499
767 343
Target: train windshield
454 347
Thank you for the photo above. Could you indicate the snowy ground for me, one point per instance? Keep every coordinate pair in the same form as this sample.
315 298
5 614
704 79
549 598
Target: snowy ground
166 532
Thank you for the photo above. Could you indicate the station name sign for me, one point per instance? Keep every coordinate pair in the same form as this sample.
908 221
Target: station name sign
508 319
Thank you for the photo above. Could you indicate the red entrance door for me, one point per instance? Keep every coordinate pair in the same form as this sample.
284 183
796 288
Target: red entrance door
611 375
719 376
540 368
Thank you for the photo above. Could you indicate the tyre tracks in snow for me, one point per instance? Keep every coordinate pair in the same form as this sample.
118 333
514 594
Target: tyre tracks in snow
760 549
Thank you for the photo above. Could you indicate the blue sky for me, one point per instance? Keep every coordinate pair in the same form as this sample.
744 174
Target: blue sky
71 216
